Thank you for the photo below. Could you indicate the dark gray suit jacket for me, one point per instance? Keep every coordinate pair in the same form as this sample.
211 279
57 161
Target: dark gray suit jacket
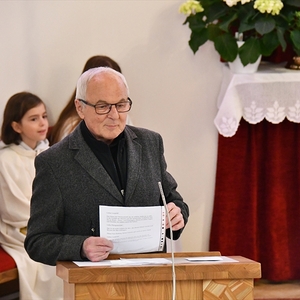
71 183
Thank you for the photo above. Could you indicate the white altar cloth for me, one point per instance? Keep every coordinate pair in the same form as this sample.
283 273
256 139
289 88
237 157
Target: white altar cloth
273 93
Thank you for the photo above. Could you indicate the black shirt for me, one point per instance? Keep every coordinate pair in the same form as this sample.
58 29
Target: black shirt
113 157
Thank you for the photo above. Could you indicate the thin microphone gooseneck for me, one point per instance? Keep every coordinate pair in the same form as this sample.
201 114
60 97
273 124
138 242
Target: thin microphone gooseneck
171 238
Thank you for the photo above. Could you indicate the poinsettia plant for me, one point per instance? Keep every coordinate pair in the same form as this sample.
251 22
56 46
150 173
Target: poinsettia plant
263 25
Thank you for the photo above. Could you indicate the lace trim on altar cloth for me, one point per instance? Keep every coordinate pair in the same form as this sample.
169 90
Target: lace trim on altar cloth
255 113
271 96
276 114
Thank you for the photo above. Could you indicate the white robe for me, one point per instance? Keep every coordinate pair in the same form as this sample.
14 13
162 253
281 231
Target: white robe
37 281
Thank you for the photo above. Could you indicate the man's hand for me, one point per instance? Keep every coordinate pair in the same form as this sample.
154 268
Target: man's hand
96 248
176 217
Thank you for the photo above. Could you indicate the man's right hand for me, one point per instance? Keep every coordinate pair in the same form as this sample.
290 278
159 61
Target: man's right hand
96 248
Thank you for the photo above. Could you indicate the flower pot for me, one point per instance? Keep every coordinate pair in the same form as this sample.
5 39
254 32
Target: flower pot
237 67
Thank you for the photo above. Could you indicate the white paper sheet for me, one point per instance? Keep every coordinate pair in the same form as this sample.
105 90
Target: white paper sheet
213 259
205 258
133 229
156 261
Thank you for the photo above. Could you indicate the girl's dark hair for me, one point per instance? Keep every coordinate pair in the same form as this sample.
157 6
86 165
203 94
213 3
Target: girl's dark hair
70 111
15 109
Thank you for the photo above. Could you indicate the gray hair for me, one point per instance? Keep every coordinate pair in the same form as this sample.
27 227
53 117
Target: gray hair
89 74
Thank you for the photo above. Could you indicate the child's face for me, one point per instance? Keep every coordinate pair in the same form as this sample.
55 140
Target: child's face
33 126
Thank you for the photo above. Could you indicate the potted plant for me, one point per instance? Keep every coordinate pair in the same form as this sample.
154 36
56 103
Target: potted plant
263 25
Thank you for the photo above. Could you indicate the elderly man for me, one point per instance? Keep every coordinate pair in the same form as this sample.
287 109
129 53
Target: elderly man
102 162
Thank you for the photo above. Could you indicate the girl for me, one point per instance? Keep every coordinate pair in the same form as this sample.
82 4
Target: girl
23 136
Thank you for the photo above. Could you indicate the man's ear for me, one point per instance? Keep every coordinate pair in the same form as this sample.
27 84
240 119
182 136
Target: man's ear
79 108
16 127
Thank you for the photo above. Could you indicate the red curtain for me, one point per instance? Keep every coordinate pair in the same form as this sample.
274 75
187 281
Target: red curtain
257 197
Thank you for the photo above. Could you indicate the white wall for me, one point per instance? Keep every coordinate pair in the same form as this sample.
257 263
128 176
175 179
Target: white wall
44 45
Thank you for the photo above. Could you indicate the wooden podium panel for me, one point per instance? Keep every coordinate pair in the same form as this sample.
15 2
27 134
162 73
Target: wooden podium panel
194 280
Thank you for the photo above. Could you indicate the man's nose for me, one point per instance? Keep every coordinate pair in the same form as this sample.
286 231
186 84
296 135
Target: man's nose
113 110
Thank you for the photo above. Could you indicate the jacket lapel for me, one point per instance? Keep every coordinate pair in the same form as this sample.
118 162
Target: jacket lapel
134 152
88 161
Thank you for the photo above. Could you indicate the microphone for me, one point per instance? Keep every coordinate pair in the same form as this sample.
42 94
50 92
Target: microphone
171 238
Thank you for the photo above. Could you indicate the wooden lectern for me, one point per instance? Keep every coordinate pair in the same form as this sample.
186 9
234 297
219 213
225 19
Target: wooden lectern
194 280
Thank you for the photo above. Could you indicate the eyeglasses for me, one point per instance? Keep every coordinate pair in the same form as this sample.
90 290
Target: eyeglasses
104 108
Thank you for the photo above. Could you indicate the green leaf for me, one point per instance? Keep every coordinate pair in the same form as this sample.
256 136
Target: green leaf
246 26
196 23
281 38
226 21
295 37
198 39
265 25
269 43
295 3
214 31
246 12
226 46
250 51
216 11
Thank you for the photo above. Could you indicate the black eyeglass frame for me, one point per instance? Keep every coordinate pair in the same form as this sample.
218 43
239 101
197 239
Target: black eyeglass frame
110 106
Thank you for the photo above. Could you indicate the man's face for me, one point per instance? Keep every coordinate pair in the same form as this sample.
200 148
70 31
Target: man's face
108 88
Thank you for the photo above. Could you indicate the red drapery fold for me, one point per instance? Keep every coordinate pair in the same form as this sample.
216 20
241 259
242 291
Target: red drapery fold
257 197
